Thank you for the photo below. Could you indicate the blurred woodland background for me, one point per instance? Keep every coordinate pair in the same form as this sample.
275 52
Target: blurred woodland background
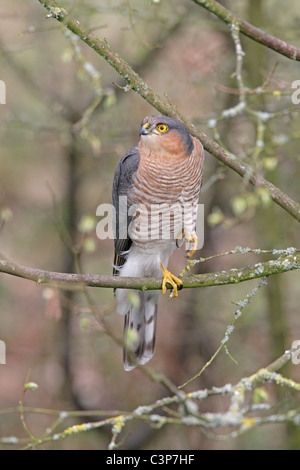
68 119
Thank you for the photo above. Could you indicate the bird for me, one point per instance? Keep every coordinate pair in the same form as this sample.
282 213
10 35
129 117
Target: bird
155 196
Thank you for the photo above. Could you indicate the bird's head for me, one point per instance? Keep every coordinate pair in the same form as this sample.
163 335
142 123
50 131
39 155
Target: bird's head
162 133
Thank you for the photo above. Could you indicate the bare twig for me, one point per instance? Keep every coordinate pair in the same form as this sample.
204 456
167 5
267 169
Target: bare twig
239 416
249 30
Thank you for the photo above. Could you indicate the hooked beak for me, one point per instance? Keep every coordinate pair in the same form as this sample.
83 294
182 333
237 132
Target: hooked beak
145 129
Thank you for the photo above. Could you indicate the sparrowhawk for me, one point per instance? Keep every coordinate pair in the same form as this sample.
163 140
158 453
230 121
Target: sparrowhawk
155 195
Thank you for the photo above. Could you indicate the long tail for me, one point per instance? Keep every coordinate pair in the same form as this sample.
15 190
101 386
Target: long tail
139 331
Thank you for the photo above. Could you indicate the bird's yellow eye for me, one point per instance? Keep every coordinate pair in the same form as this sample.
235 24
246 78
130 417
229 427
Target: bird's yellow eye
162 127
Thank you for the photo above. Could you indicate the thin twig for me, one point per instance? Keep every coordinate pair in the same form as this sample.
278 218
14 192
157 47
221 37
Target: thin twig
249 30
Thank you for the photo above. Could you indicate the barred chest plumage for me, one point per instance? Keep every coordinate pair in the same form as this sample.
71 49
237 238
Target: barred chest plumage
164 197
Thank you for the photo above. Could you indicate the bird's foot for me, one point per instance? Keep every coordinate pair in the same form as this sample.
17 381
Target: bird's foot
192 242
170 279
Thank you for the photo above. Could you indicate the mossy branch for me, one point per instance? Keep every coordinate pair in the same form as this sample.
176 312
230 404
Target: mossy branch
231 276
135 82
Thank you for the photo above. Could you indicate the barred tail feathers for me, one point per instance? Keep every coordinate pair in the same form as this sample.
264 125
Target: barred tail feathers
139 331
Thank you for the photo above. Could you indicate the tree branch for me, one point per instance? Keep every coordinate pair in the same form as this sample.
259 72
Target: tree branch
239 413
249 30
165 107
232 276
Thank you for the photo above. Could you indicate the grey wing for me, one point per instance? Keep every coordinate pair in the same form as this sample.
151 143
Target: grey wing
123 180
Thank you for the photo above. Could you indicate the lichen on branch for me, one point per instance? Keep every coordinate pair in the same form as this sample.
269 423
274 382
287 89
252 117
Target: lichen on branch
232 276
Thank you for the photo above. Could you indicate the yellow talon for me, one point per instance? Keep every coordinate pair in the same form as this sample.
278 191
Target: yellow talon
194 240
171 279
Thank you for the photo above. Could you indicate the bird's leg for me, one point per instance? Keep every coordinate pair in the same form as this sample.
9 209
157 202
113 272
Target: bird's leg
192 241
180 239
171 279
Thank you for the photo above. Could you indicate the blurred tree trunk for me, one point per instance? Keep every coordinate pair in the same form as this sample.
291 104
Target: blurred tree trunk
265 220
255 60
70 214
